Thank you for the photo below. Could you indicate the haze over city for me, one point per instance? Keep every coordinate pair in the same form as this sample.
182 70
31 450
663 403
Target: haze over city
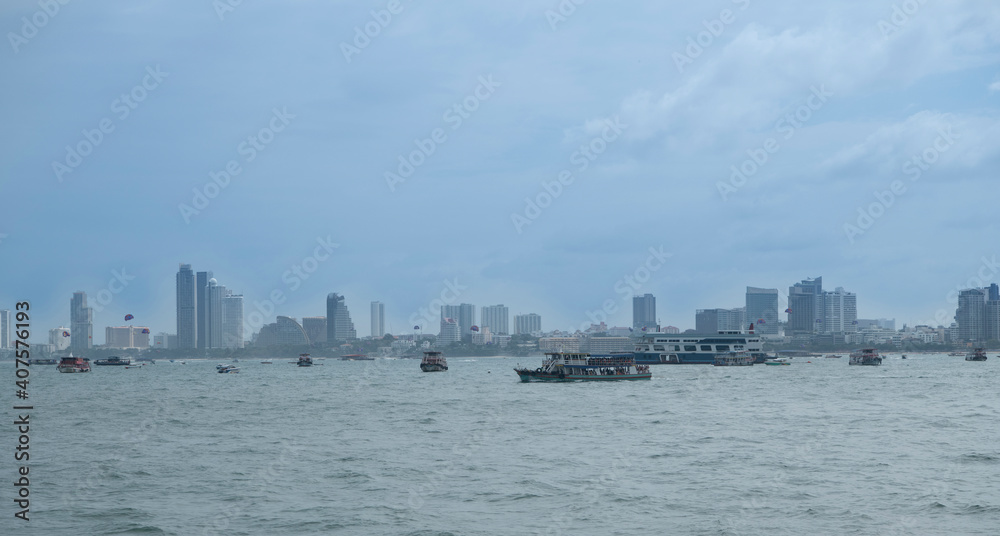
512 150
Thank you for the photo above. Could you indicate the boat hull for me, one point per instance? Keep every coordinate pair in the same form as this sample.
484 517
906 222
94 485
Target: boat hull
433 368
71 370
533 376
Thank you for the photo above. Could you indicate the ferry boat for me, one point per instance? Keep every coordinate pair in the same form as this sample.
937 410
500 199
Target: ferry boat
572 366
691 349
74 364
979 354
433 362
304 360
113 361
865 356
734 359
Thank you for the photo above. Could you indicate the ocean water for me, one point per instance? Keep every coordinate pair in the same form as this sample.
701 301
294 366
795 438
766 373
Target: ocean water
379 447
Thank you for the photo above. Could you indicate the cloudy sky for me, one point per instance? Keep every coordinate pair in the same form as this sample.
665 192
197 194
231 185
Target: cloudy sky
549 156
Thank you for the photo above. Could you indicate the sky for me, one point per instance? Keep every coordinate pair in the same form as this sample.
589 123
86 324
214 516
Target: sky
554 157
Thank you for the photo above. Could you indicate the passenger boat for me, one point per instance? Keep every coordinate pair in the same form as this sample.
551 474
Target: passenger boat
113 361
433 362
691 349
74 364
979 354
734 359
304 360
777 361
572 366
866 356
229 369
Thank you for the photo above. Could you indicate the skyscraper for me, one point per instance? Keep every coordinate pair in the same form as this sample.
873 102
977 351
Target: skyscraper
840 311
762 310
187 312
232 320
495 317
449 332
315 328
4 329
527 324
378 319
806 307
644 312
201 301
81 322
971 314
214 293
339 327
715 320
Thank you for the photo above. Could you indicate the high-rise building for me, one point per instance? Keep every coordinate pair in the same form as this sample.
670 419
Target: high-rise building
58 339
165 341
81 322
187 310
994 292
527 324
339 326
805 307
971 314
992 320
4 329
495 317
464 314
644 312
285 331
126 337
214 293
378 319
715 320
201 302
762 310
449 332
232 320
840 311
315 328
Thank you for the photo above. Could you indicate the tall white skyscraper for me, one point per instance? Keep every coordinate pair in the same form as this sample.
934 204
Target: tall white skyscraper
5 329
495 317
840 311
187 311
82 322
527 324
213 309
232 320
378 319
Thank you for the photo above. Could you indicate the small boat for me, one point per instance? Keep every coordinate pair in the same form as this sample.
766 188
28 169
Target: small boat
267 362
733 359
777 361
832 356
433 362
220 366
304 360
74 364
229 369
979 354
865 356
113 361
904 356
133 366
572 366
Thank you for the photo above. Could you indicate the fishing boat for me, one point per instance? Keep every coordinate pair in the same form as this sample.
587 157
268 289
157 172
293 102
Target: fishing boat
777 361
304 361
229 369
74 364
734 359
573 366
866 356
979 354
113 361
433 362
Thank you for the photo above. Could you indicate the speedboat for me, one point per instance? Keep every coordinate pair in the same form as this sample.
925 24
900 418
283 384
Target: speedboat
777 361
229 369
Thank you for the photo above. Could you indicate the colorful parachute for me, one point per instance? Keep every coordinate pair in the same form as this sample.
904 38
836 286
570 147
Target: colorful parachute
65 334
145 330
128 317
474 328
761 321
416 327
789 310
818 321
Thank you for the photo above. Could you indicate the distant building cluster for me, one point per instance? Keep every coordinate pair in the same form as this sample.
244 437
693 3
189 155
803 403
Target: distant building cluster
209 316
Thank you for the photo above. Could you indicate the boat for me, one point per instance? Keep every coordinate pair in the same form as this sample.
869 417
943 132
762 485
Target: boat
903 356
693 349
575 366
74 364
267 362
979 354
229 369
304 361
832 356
865 356
113 361
734 359
220 366
433 362
777 361
133 366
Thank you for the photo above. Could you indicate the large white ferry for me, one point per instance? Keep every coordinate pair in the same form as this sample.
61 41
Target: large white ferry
695 349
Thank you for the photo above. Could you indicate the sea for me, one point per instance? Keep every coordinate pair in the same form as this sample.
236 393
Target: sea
378 447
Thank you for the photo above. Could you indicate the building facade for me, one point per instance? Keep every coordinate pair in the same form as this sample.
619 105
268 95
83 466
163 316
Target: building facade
449 332
201 301
378 319
315 327
527 324
495 317
187 308
840 311
232 320
81 322
339 326
805 307
971 315
762 310
644 312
